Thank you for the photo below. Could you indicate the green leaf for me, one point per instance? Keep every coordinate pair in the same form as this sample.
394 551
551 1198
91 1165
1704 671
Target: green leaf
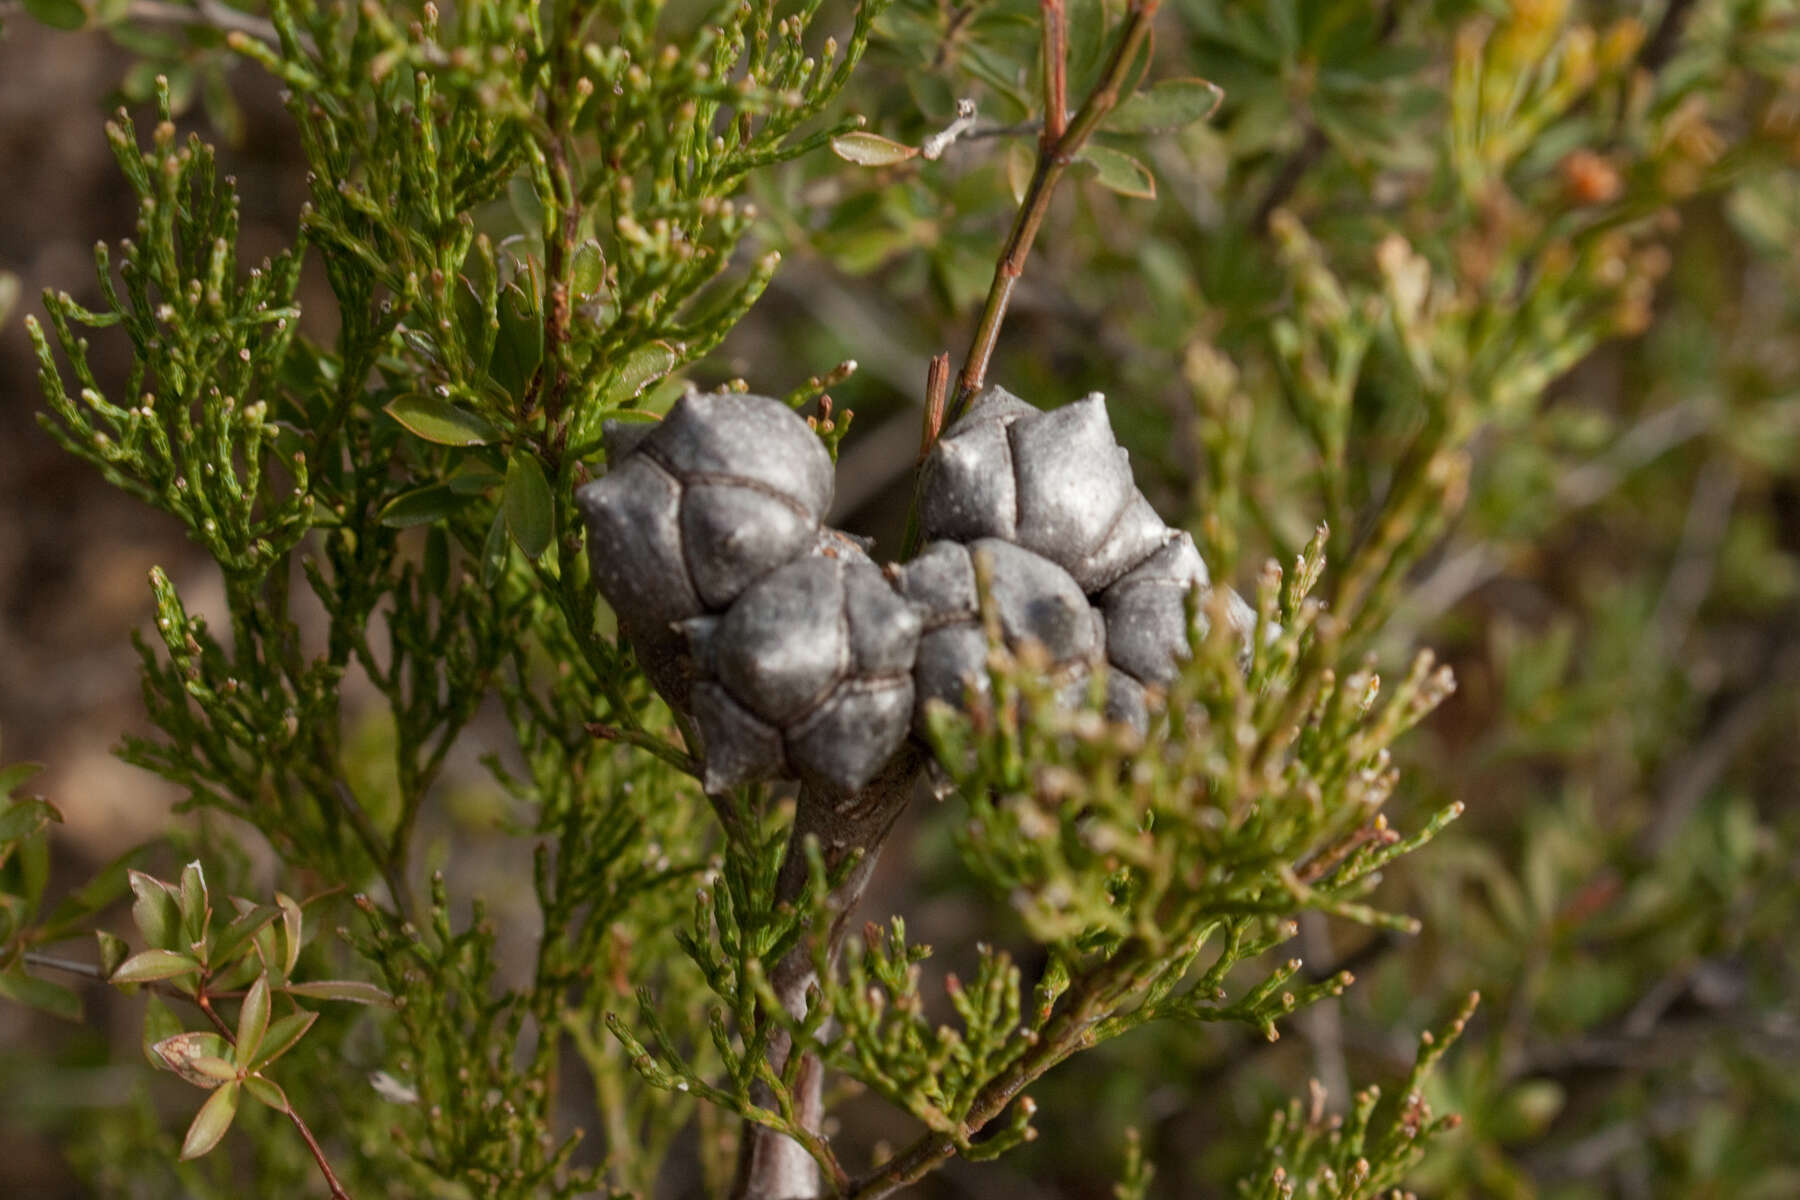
588 269
148 966
235 936
211 1122
281 1037
292 926
9 296
25 818
871 149
421 506
100 892
253 1019
11 777
58 14
1166 106
519 344
196 905
473 480
40 994
1120 172
641 368
266 1091
160 1024
155 912
113 951
495 551
440 421
530 514
353 990
182 1053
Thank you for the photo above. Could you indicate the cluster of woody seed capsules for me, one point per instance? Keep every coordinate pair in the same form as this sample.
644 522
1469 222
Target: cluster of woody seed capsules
798 657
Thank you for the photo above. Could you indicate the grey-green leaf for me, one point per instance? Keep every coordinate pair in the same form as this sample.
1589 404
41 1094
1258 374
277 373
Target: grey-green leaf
157 916
183 1054
41 994
440 421
253 1019
282 1035
25 818
871 149
530 515
353 990
1166 106
1120 172
58 14
148 966
641 368
266 1091
422 506
211 1122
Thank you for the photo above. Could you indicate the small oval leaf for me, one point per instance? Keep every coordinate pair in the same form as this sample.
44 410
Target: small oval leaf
58 14
113 951
40 994
1119 172
266 1091
282 1036
147 966
211 1122
245 926
353 990
518 342
160 1024
530 516
11 777
183 1052
293 926
441 422
253 1019
587 271
1169 105
871 149
155 912
24 818
495 551
641 368
421 506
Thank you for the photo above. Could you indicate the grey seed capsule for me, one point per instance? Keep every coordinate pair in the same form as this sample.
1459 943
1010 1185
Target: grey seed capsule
835 543
750 440
884 628
969 491
951 659
941 582
1073 480
993 404
783 644
739 748
846 741
1037 600
1243 617
1127 701
634 551
701 634
623 437
1138 533
1146 612
733 535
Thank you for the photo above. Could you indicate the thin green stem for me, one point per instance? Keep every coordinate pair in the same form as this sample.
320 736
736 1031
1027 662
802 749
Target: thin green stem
1054 156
